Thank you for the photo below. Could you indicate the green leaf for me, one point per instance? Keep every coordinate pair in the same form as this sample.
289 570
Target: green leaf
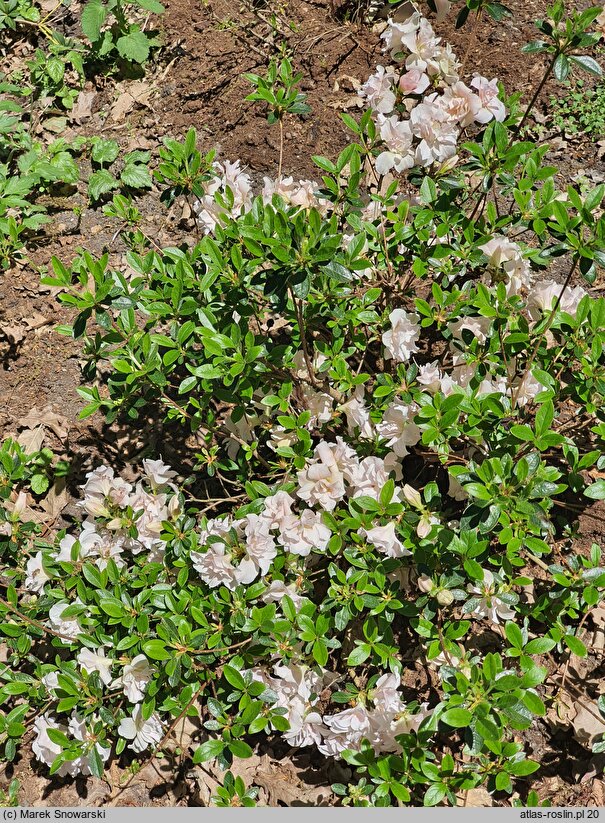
156 650
93 17
104 151
596 491
208 751
134 46
240 749
514 635
575 645
233 677
540 645
99 183
39 483
457 718
434 794
561 67
588 64
136 176
151 5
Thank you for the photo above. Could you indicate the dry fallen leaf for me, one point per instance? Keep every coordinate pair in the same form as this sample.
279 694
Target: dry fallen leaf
82 109
475 798
56 500
45 417
14 334
138 92
588 724
31 440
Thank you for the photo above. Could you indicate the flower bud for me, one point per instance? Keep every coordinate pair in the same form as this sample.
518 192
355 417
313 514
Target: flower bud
445 597
425 584
413 496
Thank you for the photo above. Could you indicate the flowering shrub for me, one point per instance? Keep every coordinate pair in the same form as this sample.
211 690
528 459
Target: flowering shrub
400 398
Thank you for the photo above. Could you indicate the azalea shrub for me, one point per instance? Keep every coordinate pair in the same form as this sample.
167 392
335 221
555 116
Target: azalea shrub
395 376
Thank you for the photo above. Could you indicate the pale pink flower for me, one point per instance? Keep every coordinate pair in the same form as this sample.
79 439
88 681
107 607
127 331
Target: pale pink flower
429 375
277 509
260 549
215 567
461 104
491 107
370 478
414 81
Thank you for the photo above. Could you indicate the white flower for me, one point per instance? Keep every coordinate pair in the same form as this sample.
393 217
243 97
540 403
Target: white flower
429 375
400 341
228 176
215 566
385 540
543 296
135 677
358 415
526 390
260 549
491 106
66 627
96 662
396 33
398 137
437 132
143 733
378 91
78 728
44 748
300 535
297 194
278 590
506 257
36 575
398 428
370 477
158 473
478 326
281 438
489 605
346 730
242 429
51 681
321 482
277 509
318 403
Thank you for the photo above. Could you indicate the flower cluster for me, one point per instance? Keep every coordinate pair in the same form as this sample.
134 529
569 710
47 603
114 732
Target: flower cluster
428 92
379 719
